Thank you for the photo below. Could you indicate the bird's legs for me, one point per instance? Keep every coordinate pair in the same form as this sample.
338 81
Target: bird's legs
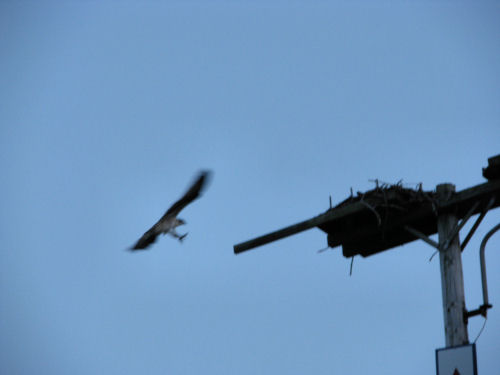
180 237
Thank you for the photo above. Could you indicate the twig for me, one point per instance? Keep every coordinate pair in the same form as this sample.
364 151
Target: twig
323 250
437 251
367 205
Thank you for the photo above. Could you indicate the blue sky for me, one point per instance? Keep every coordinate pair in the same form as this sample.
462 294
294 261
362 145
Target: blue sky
109 109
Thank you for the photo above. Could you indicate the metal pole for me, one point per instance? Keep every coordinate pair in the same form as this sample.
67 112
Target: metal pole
452 280
486 303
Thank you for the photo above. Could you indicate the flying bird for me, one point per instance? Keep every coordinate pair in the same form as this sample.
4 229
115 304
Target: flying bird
170 221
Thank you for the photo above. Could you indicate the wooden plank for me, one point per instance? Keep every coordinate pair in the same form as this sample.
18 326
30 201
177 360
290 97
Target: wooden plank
460 203
361 238
473 194
330 215
421 218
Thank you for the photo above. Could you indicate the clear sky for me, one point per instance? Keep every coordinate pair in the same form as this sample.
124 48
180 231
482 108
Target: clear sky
109 109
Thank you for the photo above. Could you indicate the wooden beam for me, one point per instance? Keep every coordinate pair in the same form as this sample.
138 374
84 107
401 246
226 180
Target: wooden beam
422 236
462 203
474 193
452 281
299 227
477 222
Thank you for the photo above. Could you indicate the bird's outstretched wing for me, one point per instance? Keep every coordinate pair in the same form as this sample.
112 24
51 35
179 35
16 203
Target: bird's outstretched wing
193 193
147 239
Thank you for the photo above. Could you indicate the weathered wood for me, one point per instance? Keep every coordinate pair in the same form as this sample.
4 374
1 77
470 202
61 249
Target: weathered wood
422 236
358 230
299 227
463 200
456 230
361 234
477 222
452 281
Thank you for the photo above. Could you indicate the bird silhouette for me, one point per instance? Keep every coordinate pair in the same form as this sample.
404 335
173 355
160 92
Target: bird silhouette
169 221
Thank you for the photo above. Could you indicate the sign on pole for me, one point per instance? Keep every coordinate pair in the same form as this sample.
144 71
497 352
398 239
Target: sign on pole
457 360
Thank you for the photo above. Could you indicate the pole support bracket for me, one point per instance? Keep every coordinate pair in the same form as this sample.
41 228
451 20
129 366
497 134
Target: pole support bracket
477 222
422 236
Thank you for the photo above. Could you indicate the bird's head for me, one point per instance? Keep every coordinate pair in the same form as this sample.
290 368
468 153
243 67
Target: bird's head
179 222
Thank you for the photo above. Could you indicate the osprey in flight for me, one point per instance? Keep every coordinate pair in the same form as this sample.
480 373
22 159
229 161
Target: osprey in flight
169 221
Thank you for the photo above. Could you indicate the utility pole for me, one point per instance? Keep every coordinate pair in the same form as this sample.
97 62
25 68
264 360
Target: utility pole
392 215
452 280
